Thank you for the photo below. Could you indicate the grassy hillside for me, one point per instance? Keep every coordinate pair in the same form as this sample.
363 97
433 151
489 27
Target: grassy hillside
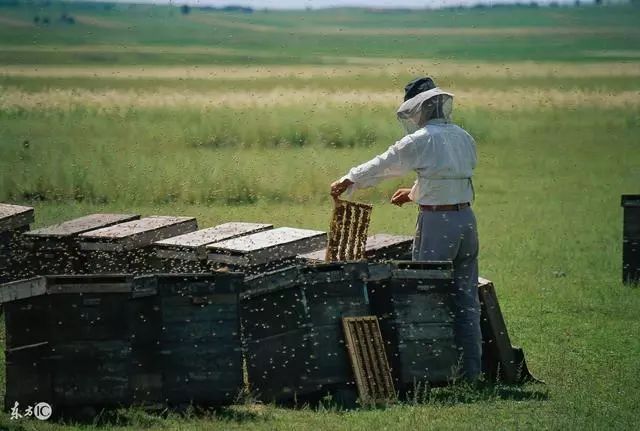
326 36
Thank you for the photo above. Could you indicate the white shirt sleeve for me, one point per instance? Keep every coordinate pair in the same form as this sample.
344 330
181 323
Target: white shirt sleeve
398 160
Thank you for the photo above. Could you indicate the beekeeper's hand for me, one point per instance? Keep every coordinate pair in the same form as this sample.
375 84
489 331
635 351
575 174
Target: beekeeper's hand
339 187
401 197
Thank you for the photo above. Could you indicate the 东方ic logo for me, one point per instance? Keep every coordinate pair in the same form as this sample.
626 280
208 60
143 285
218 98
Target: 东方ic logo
41 411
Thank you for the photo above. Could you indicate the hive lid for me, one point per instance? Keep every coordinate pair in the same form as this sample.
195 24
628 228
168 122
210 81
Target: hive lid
630 200
375 245
217 282
137 233
14 216
61 284
81 225
194 243
434 269
266 246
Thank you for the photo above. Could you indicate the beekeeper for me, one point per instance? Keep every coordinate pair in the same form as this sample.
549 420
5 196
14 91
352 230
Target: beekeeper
443 155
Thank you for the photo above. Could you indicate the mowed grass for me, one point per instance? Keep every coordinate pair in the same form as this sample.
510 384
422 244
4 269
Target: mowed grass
557 145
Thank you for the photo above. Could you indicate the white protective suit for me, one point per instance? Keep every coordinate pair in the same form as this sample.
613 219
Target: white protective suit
440 152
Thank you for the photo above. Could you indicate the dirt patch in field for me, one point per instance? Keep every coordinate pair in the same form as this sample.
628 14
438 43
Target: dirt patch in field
359 67
11 98
13 22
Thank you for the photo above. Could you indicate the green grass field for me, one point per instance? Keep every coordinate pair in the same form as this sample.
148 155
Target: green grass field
249 117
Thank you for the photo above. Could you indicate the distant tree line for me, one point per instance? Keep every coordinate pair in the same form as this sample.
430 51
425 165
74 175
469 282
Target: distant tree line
230 8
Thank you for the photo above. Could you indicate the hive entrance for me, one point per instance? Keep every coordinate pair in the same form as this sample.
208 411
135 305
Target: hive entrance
348 231
368 359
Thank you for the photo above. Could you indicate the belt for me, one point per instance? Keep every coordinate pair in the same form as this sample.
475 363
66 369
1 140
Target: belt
454 207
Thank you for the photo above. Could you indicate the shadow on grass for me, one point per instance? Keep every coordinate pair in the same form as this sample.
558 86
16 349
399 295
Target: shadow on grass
466 394
143 418
250 411
458 393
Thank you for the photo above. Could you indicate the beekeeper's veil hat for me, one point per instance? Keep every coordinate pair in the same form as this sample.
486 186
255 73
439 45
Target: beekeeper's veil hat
424 101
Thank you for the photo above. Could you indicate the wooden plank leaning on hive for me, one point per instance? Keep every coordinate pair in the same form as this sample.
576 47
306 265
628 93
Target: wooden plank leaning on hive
55 249
500 360
127 247
14 220
188 252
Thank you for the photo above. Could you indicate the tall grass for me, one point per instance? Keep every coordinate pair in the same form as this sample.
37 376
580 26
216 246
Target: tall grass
156 156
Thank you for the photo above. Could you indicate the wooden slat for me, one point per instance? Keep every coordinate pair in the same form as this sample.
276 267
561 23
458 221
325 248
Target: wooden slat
23 289
494 331
137 233
81 225
14 216
368 359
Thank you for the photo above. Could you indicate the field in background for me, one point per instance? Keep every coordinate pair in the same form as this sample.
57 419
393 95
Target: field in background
231 116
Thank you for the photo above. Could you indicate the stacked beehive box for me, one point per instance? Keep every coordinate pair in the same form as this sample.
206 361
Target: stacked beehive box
188 252
68 341
55 250
186 339
267 250
414 303
111 340
631 239
128 247
293 329
14 220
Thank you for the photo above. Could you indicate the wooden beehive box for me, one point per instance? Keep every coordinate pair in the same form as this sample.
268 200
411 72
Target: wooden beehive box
380 246
266 250
14 220
187 347
127 247
67 340
631 239
188 252
416 310
292 328
55 249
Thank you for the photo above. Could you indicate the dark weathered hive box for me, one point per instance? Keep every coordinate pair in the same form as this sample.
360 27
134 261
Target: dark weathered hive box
14 220
380 246
293 330
187 346
68 340
188 252
127 247
266 250
55 249
631 239
415 306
